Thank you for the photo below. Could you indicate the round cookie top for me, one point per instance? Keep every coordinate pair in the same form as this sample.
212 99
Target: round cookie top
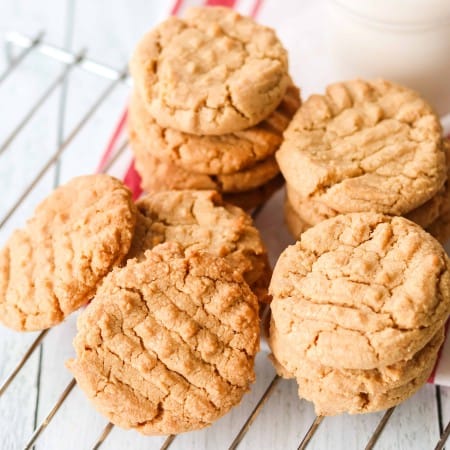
360 291
168 343
53 265
213 72
201 221
365 146
224 154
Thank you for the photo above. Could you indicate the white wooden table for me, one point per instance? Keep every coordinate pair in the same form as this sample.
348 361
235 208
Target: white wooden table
110 30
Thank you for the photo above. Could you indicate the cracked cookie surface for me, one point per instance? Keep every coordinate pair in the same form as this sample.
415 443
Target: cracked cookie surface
313 212
365 146
200 220
53 265
360 291
158 175
212 72
214 155
168 343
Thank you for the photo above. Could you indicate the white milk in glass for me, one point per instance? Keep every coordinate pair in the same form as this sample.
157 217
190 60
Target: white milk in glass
407 41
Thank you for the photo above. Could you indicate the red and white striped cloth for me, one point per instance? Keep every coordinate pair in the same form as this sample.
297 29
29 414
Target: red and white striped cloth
441 372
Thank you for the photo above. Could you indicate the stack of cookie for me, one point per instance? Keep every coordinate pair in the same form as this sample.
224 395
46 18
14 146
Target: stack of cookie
212 98
358 311
366 146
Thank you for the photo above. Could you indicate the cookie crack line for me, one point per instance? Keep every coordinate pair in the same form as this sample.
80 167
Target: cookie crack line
199 326
167 330
218 113
137 393
244 45
412 121
393 245
338 326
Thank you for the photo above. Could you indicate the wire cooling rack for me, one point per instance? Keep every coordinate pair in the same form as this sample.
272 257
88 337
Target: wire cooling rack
25 46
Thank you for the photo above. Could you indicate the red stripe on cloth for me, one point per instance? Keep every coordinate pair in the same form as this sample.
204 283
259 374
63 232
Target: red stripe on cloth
176 7
123 118
433 374
112 141
256 7
227 3
133 180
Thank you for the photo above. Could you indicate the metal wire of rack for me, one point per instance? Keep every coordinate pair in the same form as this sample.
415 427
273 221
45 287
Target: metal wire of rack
36 44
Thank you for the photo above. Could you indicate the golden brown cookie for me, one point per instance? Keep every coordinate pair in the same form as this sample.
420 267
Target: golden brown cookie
255 197
335 391
200 220
213 72
314 212
158 175
295 224
308 210
54 264
365 146
214 155
168 343
360 291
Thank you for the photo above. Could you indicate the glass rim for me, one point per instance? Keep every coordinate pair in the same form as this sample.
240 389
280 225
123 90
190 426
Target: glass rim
392 24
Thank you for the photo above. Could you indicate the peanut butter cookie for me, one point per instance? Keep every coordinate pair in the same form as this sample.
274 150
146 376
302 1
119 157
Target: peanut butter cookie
313 212
213 72
200 220
168 343
255 197
158 175
53 265
335 391
365 146
360 291
214 155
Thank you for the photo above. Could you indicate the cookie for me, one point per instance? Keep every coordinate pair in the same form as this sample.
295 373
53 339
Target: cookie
334 402
200 220
365 146
158 175
255 197
314 212
295 224
54 264
214 155
213 72
308 210
168 343
335 391
360 291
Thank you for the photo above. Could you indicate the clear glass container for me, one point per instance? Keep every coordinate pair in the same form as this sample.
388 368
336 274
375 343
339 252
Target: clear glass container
407 41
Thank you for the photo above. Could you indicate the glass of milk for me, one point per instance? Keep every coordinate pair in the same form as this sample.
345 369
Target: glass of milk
407 41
